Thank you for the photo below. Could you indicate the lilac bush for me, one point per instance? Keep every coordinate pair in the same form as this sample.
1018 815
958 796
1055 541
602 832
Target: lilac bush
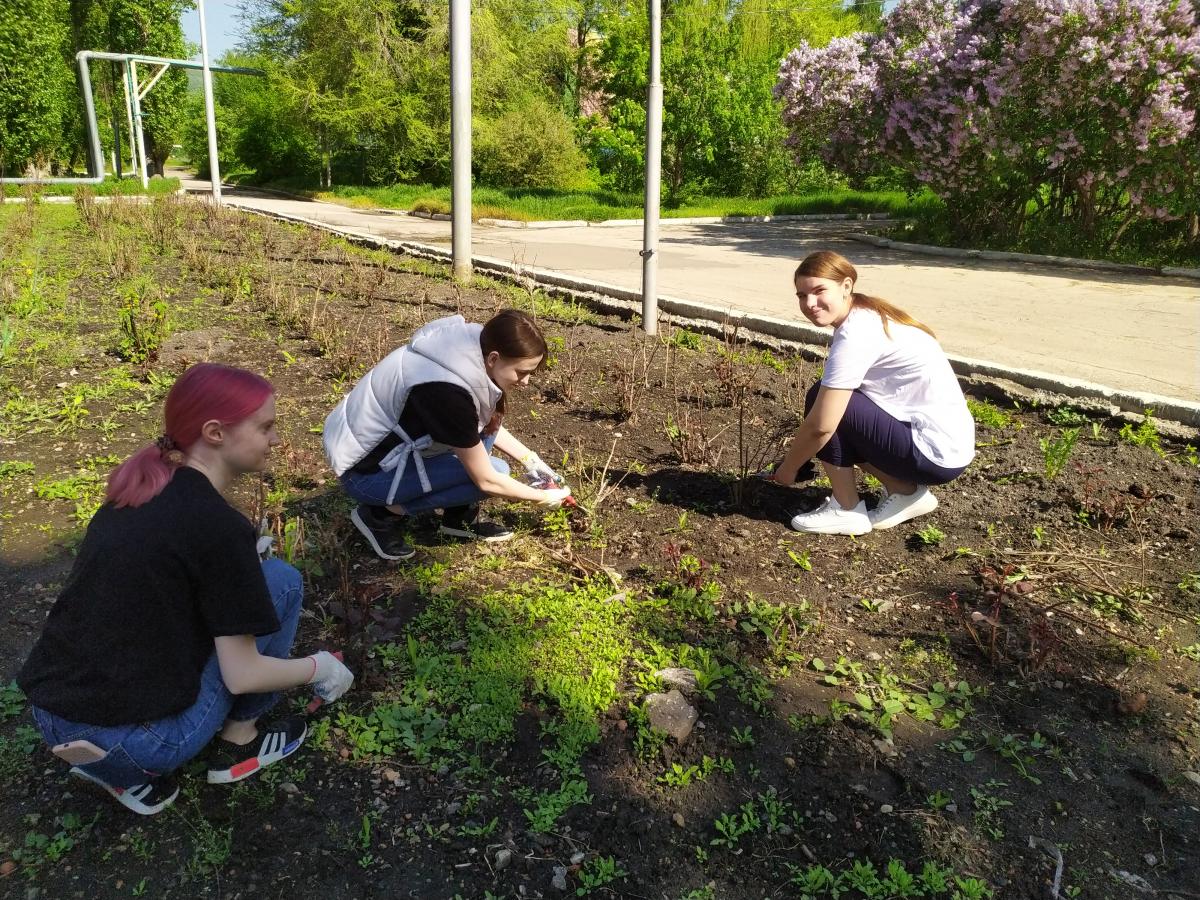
1064 110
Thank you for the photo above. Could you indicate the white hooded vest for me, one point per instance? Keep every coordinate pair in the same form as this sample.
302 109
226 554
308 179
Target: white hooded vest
444 350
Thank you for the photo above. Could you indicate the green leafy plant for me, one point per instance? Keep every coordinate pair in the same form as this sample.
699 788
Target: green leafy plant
930 536
987 414
597 872
1055 453
548 806
12 700
1145 434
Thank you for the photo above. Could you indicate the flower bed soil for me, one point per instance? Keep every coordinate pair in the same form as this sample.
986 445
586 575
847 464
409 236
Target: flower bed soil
1068 606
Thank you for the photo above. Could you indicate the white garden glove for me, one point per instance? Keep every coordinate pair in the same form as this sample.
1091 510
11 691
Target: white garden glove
330 677
538 470
554 498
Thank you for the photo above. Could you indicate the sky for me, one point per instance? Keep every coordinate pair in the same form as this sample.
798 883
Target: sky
224 27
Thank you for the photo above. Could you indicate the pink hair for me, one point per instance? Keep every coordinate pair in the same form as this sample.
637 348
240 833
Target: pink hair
205 392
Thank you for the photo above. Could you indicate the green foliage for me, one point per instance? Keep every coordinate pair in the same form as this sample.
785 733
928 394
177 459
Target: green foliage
598 872
1145 435
12 700
987 414
1056 452
36 85
930 536
550 805
530 145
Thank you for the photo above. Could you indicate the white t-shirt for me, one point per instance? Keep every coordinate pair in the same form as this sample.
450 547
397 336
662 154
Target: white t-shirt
908 377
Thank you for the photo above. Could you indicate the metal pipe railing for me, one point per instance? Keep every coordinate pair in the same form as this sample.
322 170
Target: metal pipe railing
94 151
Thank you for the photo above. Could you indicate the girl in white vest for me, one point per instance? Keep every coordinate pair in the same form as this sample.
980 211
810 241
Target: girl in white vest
417 432
888 403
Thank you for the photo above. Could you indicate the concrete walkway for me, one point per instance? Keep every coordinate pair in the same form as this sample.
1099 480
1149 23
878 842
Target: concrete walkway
1134 333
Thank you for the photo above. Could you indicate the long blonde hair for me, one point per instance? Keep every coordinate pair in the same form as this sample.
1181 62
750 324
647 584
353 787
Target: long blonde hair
835 267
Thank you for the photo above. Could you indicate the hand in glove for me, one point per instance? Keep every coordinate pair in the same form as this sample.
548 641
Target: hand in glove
538 470
554 498
330 678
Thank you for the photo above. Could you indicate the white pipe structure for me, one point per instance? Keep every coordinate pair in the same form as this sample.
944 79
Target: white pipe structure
460 137
139 138
654 114
95 152
214 168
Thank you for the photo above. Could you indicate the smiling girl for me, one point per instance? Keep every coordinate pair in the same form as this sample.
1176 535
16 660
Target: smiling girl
417 432
888 403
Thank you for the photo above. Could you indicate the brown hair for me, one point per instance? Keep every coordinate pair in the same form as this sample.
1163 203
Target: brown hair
514 334
835 267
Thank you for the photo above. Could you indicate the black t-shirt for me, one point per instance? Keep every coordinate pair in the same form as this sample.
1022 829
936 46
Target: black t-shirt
439 409
152 586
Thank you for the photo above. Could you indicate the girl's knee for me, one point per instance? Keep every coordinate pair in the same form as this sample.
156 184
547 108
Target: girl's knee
501 467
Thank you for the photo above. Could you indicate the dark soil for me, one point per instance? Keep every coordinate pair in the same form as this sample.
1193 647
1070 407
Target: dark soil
1068 605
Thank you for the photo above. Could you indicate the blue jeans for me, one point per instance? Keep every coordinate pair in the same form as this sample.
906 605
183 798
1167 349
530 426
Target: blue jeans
450 483
138 753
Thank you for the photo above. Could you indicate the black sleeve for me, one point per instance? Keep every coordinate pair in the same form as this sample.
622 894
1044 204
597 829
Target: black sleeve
232 595
443 411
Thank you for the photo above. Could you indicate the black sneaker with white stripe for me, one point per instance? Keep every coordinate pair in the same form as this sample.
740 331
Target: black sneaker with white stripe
383 531
144 799
232 762
462 522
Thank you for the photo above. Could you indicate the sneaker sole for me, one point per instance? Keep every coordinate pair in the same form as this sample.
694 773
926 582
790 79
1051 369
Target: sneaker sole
472 536
373 541
123 795
922 507
832 529
248 767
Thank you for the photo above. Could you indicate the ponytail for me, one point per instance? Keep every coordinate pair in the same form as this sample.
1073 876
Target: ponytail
835 267
205 392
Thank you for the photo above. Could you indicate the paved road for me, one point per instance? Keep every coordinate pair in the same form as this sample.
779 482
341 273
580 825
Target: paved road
1130 332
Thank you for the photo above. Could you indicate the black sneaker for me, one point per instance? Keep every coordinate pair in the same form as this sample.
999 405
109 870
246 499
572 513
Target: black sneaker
460 522
382 533
230 762
146 799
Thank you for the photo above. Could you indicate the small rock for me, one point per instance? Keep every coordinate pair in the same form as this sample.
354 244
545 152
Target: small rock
785 830
886 808
1059 685
951 807
1151 859
1132 704
453 808
559 881
344 753
289 788
683 680
503 858
677 818
1193 777
789 762
884 747
390 775
7 868
672 714
578 857
267 826
33 893
874 656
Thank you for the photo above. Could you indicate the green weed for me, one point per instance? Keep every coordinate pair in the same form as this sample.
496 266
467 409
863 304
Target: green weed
598 872
1145 435
550 805
987 414
1056 452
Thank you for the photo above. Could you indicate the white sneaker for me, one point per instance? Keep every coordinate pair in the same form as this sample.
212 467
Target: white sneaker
897 508
831 518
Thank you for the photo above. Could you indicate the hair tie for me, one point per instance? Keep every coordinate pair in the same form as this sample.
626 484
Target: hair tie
169 450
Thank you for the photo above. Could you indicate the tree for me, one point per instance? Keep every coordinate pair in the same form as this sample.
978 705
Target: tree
35 83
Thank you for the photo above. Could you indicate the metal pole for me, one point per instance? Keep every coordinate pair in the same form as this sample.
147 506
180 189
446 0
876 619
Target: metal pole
139 138
89 112
129 122
116 126
460 137
210 115
654 109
